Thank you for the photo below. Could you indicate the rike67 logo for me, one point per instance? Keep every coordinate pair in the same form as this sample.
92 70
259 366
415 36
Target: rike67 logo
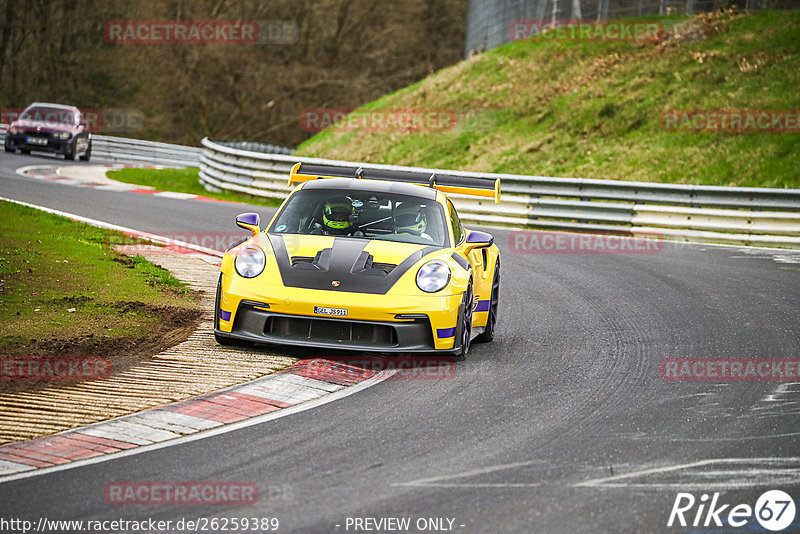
774 511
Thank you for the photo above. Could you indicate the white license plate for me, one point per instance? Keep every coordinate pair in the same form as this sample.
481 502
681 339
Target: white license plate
37 140
341 312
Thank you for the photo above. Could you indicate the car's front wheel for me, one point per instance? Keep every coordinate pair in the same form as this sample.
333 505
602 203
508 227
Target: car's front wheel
8 148
88 155
222 340
465 329
69 152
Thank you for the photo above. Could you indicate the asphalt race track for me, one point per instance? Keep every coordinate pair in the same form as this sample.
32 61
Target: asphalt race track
563 424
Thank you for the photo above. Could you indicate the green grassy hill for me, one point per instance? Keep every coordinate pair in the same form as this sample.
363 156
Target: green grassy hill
594 110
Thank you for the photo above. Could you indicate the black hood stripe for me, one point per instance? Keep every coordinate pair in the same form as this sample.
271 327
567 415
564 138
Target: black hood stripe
344 264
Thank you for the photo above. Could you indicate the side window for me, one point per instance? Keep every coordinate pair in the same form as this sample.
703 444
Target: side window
458 232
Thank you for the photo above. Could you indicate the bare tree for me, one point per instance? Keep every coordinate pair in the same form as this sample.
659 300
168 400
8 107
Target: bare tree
576 10
347 53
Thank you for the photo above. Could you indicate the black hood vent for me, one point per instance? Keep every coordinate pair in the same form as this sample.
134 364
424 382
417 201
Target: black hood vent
320 262
345 266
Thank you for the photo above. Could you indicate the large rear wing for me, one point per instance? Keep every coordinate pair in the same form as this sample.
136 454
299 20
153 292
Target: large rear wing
303 172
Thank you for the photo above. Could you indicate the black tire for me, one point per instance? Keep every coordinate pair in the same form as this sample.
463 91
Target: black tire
222 340
225 341
465 330
88 155
491 323
25 151
9 149
69 152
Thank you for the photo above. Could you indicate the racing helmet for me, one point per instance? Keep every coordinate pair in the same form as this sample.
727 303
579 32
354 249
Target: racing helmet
409 218
336 215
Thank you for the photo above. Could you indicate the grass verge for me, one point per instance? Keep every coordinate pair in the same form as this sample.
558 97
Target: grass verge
184 181
65 292
594 110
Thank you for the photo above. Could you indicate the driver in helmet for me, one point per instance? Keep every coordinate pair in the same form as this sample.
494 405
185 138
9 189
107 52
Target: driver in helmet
409 218
337 216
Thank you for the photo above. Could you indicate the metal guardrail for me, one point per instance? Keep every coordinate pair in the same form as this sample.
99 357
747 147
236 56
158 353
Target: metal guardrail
738 215
253 146
137 152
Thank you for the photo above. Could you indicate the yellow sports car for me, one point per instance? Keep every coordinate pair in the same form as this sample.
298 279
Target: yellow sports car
368 260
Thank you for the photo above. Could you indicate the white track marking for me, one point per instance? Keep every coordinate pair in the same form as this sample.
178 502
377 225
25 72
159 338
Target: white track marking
755 472
129 432
473 485
282 391
440 481
311 382
177 196
737 438
11 467
161 420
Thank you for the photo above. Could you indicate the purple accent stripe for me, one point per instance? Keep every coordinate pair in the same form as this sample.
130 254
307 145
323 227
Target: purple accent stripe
483 305
224 315
445 332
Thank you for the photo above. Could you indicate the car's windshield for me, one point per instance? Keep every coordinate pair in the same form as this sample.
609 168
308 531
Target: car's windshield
363 214
49 115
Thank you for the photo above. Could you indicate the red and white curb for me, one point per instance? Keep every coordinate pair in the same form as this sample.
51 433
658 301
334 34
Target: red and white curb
55 173
304 385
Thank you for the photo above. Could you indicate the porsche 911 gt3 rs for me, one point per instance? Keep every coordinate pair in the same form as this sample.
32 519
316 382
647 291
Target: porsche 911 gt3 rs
368 260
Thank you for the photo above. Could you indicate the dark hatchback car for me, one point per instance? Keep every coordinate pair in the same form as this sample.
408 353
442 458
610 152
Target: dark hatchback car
50 128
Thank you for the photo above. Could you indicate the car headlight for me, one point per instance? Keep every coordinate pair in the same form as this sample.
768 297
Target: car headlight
250 261
433 276
62 135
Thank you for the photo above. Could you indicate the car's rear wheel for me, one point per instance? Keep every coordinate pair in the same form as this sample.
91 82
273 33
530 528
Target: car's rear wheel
491 323
465 331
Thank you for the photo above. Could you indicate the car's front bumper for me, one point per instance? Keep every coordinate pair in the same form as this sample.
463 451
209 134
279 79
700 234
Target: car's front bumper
52 144
262 326
381 323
